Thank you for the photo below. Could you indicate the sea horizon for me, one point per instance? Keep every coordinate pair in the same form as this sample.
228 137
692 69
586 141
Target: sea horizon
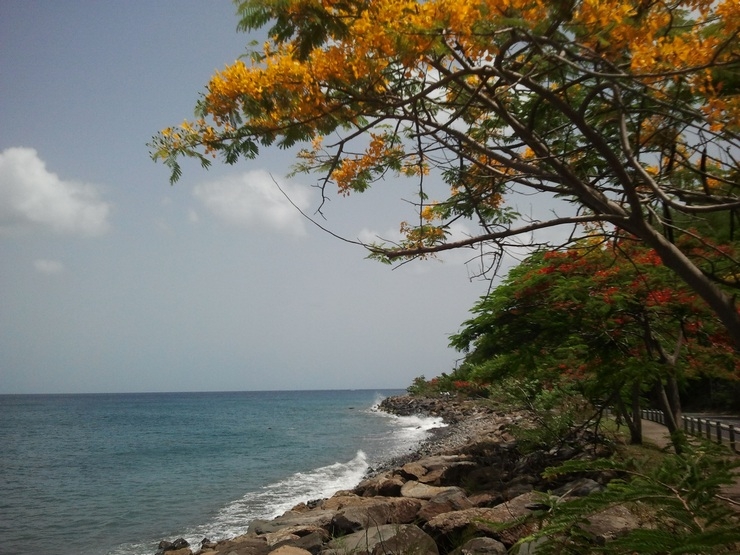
401 390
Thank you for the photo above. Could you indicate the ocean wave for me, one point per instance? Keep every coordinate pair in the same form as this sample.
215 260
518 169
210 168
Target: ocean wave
275 499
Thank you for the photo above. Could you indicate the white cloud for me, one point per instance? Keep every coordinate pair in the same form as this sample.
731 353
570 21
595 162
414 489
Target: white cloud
48 266
253 200
31 196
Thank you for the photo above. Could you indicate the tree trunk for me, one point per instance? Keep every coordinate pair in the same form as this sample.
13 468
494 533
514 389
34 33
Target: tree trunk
633 421
674 398
636 409
675 431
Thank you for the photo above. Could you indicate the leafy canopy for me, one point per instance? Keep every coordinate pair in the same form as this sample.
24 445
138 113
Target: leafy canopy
601 316
629 109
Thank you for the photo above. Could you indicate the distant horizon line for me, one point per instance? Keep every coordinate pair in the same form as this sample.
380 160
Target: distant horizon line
194 392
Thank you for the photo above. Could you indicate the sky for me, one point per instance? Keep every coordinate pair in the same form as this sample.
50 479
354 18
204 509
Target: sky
111 280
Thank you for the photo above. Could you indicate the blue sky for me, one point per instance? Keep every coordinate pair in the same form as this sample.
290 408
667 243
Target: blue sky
112 280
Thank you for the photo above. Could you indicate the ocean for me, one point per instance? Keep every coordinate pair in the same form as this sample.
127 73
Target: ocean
114 474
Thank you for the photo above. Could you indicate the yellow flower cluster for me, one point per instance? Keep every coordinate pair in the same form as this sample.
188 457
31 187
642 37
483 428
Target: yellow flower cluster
389 38
351 169
421 236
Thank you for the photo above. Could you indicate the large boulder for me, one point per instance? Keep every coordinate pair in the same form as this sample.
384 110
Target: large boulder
388 539
289 550
353 513
578 488
310 520
178 547
481 546
313 543
454 499
488 520
612 523
294 533
438 470
240 545
417 490
387 484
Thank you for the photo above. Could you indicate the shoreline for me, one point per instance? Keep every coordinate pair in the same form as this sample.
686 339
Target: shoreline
310 525
462 422
467 489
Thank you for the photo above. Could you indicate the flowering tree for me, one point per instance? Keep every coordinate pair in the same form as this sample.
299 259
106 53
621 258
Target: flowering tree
628 109
610 317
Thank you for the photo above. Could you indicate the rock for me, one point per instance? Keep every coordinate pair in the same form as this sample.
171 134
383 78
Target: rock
242 545
486 520
519 486
487 477
417 490
274 539
486 498
354 513
438 470
481 546
309 520
293 535
578 488
612 523
178 547
385 540
387 484
454 499
289 550
530 548
312 543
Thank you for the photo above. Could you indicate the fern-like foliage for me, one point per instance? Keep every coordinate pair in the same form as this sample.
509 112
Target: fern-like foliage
676 503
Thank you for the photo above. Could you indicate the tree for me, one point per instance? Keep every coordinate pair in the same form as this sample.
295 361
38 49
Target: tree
609 317
627 109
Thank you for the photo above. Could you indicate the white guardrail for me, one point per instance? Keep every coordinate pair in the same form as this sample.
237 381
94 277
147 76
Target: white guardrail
713 430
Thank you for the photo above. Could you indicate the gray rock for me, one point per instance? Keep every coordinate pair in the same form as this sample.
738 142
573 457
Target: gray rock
292 519
486 520
289 550
241 545
178 547
612 523
439 469
454 499
481 546
312 543
385 540
417 490
352 513
387 484
579 488
530 548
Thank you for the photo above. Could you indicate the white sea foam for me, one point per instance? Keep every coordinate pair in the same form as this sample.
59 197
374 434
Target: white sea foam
274 499
409 431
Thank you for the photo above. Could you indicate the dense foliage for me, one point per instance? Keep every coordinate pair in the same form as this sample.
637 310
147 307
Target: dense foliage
608 317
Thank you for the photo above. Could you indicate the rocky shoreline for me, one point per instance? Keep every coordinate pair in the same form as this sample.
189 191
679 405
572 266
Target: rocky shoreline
467 480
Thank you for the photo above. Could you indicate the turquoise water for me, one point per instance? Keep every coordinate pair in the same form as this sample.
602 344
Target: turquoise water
115 474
